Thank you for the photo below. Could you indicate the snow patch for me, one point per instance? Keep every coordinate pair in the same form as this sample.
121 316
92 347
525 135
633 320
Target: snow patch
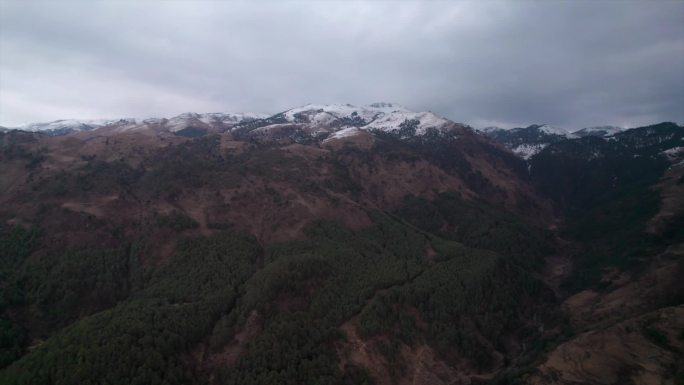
343 133
674 151
555 131
526 151
393 121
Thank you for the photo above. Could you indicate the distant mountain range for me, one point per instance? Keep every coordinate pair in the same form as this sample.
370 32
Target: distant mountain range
527 141
317 122
64 127
326 118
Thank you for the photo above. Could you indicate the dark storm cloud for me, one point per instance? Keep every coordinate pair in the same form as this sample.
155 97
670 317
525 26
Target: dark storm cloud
571 64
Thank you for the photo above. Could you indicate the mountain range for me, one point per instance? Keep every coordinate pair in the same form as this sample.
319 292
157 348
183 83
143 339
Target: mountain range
374 116
335 244
528 141
322 122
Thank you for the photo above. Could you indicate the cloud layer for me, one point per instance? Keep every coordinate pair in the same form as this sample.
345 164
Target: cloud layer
571 64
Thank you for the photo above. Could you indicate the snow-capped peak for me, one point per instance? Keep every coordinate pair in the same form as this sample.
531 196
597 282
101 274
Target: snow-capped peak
490 129
376 116
70 125
211 119
395 119
602 131
527 141
176 123
345 110
552 130
544 128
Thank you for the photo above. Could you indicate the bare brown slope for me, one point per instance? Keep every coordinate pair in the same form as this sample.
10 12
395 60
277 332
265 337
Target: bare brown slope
270 190
641 350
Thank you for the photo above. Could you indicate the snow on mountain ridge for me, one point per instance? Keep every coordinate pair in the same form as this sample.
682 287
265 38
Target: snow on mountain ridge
527 141
375 116
174 124
72 124
545 128
325 113
343 133
394 119
490 129
314 119
602 131
553 130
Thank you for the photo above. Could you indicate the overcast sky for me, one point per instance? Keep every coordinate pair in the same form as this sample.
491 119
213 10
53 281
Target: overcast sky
570 64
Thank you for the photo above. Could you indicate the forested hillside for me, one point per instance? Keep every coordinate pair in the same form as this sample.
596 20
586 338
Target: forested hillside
383 257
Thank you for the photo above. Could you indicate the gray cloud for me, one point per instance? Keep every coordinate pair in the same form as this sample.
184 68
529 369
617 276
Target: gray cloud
571 64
